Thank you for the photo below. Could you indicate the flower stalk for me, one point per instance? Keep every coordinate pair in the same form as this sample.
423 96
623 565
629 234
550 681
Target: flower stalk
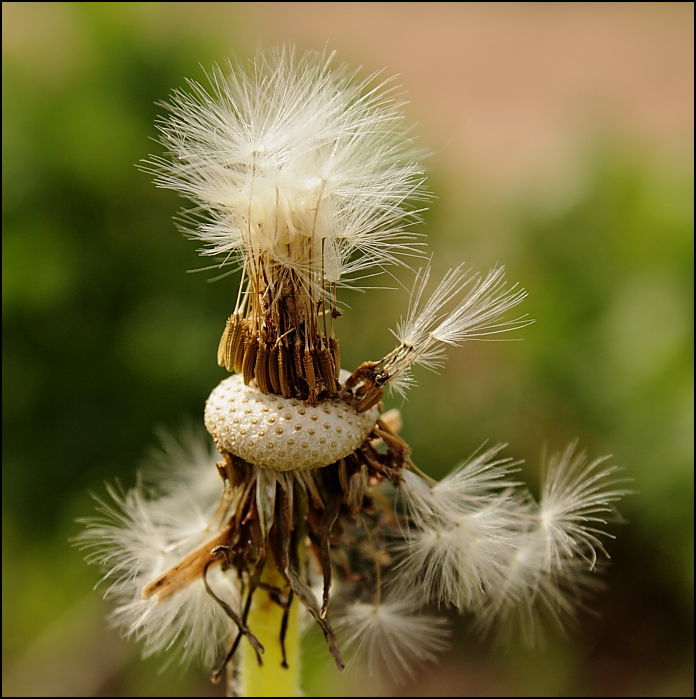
273 608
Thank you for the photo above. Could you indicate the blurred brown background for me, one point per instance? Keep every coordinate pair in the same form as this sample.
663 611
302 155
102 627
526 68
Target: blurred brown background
562 140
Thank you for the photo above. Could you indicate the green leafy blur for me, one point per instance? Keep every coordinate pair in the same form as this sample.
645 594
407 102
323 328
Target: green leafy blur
106 338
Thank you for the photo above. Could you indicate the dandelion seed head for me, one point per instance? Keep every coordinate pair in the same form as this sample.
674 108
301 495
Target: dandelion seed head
295 160
303 175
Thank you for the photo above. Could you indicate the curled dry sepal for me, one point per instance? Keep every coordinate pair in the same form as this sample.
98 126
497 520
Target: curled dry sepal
305 179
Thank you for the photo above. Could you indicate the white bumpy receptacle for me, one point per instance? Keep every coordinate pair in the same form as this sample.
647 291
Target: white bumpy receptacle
285 434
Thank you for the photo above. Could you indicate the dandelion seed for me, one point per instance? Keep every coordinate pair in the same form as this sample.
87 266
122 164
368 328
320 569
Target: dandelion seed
136 538
429 324
392 634
578 496
480 541
304 177
460 531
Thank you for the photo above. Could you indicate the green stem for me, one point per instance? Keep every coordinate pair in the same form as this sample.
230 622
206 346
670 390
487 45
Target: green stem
265 620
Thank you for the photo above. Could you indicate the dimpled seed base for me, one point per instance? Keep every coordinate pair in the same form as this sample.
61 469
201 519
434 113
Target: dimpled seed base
285 434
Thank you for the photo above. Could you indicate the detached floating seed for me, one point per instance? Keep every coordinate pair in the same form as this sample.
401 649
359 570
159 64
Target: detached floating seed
258 427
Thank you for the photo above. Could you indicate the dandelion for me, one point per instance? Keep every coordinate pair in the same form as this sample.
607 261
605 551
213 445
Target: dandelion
304 177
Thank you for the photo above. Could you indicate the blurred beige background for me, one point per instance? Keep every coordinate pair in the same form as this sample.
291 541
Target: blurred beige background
504 90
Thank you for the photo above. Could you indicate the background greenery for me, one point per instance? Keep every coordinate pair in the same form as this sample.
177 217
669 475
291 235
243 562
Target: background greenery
105 338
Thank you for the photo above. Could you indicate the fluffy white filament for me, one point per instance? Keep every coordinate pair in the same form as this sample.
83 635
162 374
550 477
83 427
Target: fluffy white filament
142 533
576 499
295 161
478 541
391 635
479 304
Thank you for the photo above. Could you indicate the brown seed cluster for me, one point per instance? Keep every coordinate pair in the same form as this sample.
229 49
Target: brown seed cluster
291 363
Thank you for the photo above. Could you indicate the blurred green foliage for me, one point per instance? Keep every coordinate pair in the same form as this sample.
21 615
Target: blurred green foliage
105 337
